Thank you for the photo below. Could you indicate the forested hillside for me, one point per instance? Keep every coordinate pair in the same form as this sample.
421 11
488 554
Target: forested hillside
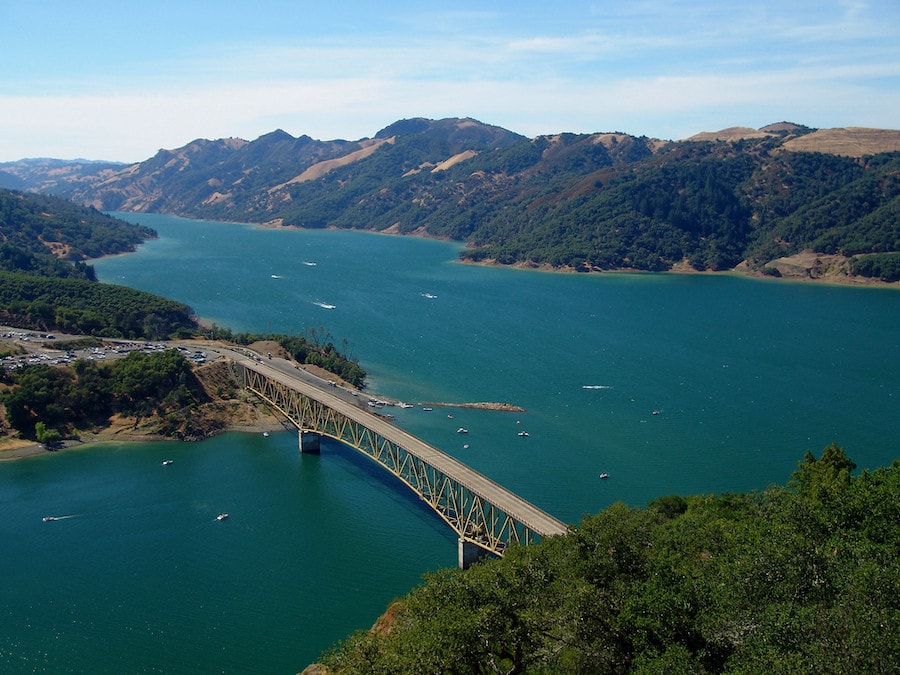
578 201
45 285
85 307
796 579
44 224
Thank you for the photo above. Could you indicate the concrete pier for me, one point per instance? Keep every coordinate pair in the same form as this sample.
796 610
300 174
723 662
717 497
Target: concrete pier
469 553
308 441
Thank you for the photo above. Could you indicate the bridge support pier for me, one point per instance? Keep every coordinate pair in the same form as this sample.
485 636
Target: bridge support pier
308 441
469 553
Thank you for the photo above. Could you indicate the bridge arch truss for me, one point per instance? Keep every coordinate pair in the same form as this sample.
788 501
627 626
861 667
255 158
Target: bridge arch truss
480 511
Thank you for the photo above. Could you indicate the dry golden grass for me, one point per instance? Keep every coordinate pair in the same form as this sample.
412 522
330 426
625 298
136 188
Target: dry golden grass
850 141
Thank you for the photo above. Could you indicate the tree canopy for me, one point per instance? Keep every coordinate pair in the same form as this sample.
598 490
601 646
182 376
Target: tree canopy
41 398
804 578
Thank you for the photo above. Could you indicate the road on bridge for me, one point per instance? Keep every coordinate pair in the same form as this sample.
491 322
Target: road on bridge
337 399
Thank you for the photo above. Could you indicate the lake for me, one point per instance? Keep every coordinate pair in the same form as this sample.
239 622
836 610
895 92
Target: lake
670 383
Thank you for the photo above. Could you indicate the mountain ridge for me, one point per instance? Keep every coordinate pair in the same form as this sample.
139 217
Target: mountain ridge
578 201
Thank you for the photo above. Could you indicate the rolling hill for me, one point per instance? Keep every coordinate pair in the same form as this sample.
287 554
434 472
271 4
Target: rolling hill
748 197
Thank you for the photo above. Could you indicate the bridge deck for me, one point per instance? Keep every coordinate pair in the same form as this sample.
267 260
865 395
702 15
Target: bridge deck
526 513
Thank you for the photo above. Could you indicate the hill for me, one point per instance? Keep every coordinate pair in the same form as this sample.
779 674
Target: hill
43 224
795 579
46 285
584 202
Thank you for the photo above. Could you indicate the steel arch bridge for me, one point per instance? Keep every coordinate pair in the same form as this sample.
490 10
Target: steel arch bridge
484 515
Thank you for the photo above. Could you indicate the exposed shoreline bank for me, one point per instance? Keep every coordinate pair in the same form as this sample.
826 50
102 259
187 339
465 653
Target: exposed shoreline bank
20 449
741 271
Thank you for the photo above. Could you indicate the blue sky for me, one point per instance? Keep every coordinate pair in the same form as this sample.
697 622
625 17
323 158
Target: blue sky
119 79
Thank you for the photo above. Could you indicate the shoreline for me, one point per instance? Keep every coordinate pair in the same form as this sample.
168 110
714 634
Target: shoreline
25 449
738 272
801 274
804 264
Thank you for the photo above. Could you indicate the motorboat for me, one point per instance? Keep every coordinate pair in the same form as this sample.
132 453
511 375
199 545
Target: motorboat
222 516
462 430
522 433
604 475
166 462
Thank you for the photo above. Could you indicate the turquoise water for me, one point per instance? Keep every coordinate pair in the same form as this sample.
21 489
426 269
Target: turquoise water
745 377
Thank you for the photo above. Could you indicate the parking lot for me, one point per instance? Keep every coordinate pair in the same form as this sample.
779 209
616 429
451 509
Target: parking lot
44 348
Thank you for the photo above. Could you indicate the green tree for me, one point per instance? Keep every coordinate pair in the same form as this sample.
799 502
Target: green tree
45 436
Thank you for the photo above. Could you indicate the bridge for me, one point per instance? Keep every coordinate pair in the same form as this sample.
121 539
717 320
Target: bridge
486 517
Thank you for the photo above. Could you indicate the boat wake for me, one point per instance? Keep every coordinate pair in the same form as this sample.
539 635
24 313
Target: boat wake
596 386
50 519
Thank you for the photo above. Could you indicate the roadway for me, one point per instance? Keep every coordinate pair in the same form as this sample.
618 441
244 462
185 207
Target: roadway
336 398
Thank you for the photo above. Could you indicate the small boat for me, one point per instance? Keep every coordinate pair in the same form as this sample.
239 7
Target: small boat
427 409
222 516
265 434
522 433
604 475
166 462
656 412
466 446
462 430
48 519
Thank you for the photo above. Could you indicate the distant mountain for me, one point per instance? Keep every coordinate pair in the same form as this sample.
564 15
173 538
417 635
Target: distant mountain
580 201
54 176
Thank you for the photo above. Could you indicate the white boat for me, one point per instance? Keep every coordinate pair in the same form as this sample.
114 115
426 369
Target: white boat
522 433
265 434
427 409
222 516
604 475
462 430
166 462
48 519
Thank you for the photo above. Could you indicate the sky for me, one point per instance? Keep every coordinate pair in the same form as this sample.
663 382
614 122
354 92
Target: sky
120 79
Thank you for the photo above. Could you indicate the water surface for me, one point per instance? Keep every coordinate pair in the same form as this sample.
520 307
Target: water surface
744 376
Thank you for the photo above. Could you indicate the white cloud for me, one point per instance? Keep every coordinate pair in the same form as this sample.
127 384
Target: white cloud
647 68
